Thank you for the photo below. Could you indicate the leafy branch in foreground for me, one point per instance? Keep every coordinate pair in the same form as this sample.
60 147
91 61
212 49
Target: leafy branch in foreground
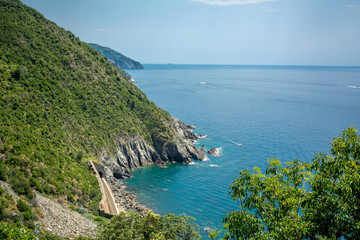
300 200
8 231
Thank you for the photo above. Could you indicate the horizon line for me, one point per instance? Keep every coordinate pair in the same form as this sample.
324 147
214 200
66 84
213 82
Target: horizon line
264 65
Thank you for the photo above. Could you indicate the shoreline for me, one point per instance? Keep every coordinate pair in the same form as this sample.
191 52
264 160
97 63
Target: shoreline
124 199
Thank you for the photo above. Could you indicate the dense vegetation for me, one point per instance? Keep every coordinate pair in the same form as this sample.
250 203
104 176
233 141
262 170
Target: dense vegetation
316 200
129 226
118 58
122 71
15 232
61 103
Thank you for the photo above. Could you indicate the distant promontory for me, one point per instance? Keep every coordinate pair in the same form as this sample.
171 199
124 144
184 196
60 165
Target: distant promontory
121 60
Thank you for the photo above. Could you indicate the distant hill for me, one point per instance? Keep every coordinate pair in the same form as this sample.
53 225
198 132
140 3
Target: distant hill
121 60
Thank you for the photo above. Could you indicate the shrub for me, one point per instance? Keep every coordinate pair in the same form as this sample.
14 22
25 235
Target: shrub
22 206
15 232
130 225
22 187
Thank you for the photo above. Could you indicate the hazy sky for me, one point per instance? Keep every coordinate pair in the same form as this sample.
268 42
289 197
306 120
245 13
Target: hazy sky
278 32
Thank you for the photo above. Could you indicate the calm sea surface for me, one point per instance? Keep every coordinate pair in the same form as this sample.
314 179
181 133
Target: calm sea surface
278 111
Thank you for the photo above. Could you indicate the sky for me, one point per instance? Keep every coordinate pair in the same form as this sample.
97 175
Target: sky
238 32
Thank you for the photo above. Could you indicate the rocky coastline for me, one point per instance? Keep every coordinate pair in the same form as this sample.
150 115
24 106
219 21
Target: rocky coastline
133 152
124 199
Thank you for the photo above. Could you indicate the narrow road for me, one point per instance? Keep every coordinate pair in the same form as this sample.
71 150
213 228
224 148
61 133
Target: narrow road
109 200
107 204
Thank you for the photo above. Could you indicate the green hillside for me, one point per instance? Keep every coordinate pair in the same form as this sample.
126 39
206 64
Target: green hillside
61 103
118 58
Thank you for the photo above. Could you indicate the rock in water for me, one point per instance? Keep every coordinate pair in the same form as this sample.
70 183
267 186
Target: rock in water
214 151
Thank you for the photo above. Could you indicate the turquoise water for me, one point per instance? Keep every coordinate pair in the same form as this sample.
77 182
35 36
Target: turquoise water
283 112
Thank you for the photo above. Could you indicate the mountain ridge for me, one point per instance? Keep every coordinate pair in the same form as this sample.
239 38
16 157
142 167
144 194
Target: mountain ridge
121 60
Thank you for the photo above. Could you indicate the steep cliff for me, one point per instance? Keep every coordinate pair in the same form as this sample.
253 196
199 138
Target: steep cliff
133 152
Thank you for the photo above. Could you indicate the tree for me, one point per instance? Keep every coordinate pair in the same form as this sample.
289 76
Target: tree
130 225
315 200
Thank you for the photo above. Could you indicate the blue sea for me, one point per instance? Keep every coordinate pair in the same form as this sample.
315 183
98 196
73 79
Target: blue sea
283 112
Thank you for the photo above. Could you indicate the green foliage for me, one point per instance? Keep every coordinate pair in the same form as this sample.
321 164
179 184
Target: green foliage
179 227
300 200
22 206
2 204
21 186
6 202
79 156
50 236
122 71
15 232
333 205
130 225
214 234
2 173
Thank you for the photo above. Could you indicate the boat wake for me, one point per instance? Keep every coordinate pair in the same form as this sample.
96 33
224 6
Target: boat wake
213 165
238 144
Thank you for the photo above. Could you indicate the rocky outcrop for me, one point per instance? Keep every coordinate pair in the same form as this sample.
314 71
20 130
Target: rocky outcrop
215 152
133 152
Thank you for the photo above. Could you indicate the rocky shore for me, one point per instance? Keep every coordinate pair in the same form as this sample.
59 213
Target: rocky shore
124 199
134 152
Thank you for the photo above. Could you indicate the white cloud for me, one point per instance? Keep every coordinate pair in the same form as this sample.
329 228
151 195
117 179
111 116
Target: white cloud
354 6
231 2
269 9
